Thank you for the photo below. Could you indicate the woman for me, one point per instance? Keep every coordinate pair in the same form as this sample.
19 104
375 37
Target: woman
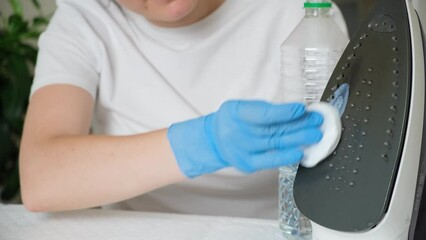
132 104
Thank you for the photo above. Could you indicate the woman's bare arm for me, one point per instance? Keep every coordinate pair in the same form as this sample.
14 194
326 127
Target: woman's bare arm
62 167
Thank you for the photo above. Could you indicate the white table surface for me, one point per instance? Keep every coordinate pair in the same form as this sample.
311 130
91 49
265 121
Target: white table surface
17 223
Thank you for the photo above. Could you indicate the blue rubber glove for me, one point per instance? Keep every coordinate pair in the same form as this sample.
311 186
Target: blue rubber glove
247 135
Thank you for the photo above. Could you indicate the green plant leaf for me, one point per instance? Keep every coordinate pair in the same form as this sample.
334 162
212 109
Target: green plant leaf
30 35
40 21
6 142
36 4
17 24
16 7
17 92
30 52
6 43
11 186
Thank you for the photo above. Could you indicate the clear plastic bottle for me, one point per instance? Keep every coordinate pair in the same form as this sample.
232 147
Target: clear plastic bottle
308 58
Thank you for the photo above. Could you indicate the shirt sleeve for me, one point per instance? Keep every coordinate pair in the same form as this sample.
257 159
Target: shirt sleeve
68 52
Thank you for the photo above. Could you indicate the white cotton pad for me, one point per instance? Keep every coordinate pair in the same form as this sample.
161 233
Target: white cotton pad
331 129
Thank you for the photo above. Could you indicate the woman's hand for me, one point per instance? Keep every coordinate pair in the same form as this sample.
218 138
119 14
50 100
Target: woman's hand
246 135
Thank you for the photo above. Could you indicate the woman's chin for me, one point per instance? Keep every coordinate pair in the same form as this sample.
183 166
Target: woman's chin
178 10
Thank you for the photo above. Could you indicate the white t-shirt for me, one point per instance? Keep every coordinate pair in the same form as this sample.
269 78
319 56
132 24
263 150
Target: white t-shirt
144 77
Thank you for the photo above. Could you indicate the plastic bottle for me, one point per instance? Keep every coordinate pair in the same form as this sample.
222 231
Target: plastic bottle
308 58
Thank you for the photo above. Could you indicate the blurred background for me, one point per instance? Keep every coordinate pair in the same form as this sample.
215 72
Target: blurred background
21 22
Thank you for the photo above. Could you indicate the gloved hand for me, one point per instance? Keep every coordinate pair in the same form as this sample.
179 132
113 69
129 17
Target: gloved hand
246 135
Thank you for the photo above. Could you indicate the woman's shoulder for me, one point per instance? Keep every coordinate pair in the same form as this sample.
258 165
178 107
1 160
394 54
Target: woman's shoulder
89 8
89 13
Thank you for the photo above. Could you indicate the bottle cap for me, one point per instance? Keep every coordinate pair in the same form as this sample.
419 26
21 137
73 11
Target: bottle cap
317 5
